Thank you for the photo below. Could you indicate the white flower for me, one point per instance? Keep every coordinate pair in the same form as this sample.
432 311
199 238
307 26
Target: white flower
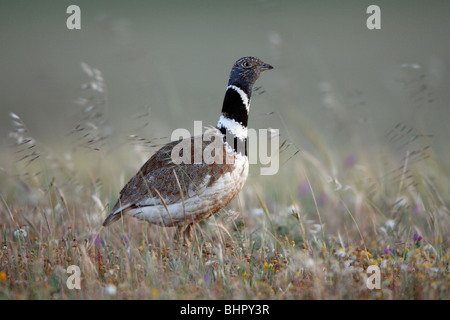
309 263
257 211
340 252
20 233
433 270
390 224
315 228
293 209
110 290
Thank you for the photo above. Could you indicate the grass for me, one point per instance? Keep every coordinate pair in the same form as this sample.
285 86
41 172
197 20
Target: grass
310 232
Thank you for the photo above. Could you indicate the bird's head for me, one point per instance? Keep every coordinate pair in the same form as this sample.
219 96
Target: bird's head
246 71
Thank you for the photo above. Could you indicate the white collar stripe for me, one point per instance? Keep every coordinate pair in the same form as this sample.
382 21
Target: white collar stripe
234 127
243 95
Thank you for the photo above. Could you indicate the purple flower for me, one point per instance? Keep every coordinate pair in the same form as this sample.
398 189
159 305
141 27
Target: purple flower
417 208
350 161
304 189
126 239
417 238
95 238
206 278
322 199
386 250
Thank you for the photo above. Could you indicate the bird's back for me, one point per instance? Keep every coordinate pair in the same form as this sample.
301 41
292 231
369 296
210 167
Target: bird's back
167 192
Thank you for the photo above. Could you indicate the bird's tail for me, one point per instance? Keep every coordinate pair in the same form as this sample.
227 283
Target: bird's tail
113 217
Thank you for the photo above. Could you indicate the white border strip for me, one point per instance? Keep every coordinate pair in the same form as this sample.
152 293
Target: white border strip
236 128
243 95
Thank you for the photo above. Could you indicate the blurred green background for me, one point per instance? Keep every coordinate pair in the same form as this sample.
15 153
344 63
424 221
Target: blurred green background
348 83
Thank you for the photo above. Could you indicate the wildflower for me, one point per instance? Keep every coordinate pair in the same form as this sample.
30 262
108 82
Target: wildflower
340 252
110 290
322 199
95 238
315 228
293 209
126 239
309 263
20 233
2 276
390 224
417 239
257 211
417 208
350 161
304 189
206 277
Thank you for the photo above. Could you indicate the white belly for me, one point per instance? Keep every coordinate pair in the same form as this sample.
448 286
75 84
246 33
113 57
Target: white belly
201 205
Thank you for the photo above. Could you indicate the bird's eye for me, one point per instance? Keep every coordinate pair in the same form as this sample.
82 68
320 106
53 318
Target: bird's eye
246 64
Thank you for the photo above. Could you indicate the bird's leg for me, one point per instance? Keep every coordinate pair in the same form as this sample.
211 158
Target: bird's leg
188 234
185 234
178 237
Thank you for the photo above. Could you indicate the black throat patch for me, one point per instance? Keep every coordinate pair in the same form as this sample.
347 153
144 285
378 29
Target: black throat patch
234 107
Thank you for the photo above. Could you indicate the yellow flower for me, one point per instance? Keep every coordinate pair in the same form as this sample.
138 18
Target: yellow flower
266 266
2 276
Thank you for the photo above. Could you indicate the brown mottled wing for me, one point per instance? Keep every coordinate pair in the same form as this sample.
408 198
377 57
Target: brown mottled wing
160 181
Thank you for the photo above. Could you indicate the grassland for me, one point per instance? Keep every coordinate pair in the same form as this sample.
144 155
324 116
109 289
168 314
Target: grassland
310 232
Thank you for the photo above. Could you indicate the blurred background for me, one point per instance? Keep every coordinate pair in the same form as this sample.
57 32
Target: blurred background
166 63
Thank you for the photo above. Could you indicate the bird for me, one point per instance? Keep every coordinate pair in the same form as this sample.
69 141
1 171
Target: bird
173 188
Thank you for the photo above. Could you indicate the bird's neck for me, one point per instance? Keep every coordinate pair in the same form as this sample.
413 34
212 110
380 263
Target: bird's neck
233 121
236 106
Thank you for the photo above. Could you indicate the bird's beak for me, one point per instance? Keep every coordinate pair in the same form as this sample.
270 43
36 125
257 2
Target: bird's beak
265 67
